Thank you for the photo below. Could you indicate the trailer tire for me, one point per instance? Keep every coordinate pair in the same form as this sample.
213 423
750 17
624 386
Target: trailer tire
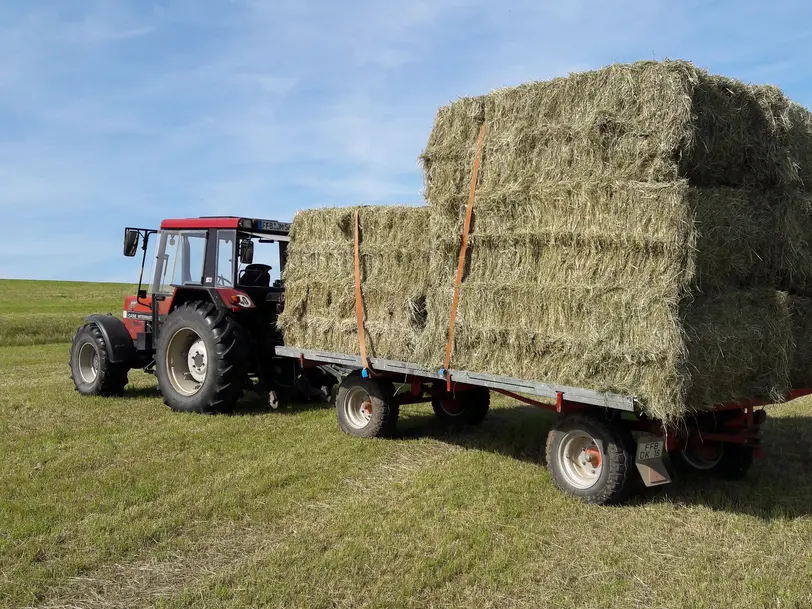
91 370
223 350
365 407
733 464
469 407
589 458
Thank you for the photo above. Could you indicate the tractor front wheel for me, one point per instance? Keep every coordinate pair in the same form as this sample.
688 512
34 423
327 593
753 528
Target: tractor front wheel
201 359
90 367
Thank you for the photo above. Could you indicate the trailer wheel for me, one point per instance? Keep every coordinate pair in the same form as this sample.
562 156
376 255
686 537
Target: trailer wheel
589 458
721 459
469 407
201 359
91 370
365 407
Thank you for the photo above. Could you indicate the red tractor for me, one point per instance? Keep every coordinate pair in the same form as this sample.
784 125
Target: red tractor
204 324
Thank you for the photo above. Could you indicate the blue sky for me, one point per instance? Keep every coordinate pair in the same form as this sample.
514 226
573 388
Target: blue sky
117 113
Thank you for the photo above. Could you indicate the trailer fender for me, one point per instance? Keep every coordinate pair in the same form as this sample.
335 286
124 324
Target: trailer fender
119 342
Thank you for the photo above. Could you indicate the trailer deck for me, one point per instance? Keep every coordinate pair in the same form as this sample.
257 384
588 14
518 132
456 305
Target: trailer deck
478 379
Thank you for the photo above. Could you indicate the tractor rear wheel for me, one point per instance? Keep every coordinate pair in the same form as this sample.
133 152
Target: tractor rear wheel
201 359
90 367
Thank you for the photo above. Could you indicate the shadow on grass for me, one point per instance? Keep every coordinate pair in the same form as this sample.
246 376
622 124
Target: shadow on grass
253 404
777 487
250 404
140 393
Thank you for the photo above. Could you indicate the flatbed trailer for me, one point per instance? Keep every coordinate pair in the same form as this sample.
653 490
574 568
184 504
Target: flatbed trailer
594 447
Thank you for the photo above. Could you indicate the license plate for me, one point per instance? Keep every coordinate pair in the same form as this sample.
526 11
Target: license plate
649 449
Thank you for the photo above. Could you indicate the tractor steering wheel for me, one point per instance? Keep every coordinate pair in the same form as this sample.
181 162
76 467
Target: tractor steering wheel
224 281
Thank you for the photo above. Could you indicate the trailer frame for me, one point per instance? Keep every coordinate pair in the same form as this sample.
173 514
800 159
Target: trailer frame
720 441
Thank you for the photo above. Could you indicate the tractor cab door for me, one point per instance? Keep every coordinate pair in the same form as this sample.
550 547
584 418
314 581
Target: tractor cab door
178 261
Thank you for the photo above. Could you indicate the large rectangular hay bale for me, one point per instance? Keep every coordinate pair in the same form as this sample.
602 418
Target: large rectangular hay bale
319 279
648 121
801 316
635 230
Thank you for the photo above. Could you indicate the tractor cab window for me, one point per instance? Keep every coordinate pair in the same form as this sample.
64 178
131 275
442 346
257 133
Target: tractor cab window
179 260
262 271
225 258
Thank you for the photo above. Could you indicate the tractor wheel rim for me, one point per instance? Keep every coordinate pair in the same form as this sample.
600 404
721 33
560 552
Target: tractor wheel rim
88 362
186 361
358 407
197 359
580 458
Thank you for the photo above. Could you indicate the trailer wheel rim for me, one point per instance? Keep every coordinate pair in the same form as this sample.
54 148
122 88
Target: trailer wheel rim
358 407
452 406
88 359
580 458
186 361
705 456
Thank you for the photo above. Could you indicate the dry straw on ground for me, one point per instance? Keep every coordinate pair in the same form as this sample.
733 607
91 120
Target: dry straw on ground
636 229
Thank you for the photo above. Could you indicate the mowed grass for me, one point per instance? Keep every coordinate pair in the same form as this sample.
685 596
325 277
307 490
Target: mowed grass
122 503
41 312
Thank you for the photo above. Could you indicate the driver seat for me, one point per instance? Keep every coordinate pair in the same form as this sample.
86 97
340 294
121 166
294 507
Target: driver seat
256 275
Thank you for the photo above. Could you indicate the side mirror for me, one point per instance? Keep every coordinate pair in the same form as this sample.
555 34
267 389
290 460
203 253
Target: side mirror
246 251
142 293
130 242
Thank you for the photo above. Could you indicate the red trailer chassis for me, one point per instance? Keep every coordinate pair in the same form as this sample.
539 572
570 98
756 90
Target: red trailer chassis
595 431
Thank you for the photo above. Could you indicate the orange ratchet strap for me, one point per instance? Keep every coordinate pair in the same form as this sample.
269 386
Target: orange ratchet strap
359 299
461 263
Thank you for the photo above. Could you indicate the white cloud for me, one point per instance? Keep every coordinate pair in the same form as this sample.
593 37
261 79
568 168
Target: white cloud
93 31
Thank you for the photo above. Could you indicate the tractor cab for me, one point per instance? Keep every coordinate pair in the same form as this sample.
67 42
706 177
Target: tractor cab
216 259
203 319
217 252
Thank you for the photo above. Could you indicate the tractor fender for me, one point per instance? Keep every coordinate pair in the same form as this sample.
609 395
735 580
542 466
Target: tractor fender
119 342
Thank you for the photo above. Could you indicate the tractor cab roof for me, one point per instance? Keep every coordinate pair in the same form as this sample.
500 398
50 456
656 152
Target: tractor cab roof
251 225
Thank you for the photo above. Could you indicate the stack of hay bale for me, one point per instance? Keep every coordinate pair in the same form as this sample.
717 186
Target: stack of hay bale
635 231
639 229
320 280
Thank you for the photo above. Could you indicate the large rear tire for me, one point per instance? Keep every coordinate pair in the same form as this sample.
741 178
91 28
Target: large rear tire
201 359
589 458
91 370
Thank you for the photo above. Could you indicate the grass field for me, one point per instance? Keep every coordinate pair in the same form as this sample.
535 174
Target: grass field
122 503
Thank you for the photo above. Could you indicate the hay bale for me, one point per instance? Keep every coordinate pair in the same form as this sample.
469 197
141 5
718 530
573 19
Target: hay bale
605 299
739 345
801 316
635 229
319 280
647 121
